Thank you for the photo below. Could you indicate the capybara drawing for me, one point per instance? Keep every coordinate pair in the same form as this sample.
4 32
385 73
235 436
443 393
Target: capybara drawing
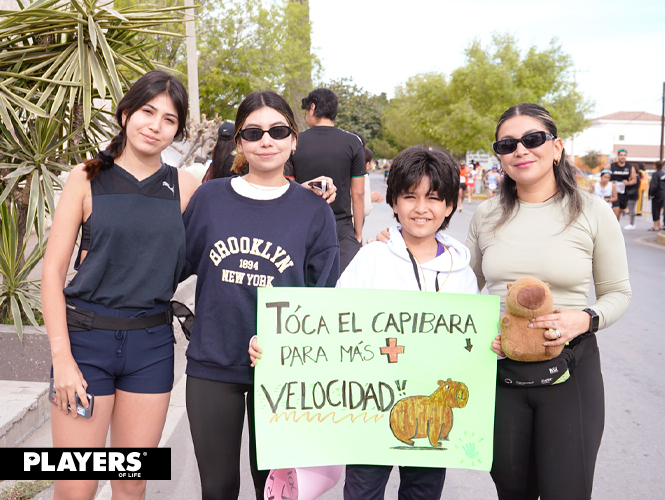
428 416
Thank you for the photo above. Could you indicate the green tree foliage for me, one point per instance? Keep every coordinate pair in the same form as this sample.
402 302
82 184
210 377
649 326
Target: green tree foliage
243 46
358 110
591 160
460 112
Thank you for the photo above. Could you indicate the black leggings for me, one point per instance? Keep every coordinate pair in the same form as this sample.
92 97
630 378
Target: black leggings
216 412
546 439
656 207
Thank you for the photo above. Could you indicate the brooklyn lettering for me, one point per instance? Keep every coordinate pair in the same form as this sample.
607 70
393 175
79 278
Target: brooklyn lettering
250 246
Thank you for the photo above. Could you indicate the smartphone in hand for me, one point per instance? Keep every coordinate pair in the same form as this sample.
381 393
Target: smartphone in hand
81 410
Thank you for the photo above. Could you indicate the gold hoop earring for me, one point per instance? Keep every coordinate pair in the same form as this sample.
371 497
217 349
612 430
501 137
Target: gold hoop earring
556 162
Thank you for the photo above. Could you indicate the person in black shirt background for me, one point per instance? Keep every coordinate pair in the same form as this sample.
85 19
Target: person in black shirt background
326 150
624 175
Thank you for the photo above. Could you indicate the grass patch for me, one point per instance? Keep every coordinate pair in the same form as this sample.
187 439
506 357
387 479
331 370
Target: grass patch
24 490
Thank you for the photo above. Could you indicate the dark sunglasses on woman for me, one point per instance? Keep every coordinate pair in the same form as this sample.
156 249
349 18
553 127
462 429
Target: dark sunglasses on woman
256 134
529 141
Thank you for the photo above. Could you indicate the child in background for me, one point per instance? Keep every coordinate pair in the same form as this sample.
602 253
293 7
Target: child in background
423 189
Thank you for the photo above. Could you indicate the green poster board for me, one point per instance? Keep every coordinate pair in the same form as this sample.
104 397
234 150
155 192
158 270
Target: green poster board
375 377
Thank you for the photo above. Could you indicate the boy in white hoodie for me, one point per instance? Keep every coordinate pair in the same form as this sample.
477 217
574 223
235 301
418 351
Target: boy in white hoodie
423 188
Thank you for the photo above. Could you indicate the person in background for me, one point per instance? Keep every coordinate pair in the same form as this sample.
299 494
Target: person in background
643 195
633 193
370 196
223 154
657 195
624 175
463 173
324 149
471 181
604 188
479 178
492 180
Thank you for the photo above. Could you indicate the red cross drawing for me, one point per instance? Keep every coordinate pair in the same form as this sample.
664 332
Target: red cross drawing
392 350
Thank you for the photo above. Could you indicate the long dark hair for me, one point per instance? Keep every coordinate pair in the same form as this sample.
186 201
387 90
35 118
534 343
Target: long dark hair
565 172
145 89
223 148
251 103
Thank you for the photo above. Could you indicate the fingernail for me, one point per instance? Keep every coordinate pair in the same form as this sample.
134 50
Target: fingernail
529 325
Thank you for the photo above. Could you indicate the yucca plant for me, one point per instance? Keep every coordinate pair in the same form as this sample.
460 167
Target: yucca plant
19 296
63 66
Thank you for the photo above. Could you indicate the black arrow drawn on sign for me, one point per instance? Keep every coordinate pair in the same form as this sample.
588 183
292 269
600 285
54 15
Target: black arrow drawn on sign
468 345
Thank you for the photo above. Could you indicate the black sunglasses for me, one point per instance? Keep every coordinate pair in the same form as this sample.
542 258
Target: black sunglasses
184 316
529 141
256 134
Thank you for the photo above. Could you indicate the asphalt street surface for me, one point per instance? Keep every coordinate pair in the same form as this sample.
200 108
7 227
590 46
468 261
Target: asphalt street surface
631 458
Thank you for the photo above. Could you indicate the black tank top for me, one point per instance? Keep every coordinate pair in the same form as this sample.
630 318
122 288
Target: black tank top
137 241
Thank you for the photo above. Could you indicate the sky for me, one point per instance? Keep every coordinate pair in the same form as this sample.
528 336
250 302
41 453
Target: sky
617 47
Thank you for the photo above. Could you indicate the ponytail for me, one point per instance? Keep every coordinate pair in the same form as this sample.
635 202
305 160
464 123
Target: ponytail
105 159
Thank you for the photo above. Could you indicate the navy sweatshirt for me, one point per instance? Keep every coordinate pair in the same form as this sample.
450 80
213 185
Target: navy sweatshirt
237 244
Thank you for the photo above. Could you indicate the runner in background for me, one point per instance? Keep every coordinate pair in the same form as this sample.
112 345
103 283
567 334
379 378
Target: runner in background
604 188
463 173
492 180
623 174
471 181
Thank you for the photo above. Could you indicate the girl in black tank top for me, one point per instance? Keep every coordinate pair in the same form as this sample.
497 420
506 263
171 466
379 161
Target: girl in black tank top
129 206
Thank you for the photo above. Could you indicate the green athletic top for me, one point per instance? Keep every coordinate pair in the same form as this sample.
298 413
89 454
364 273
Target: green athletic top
536 242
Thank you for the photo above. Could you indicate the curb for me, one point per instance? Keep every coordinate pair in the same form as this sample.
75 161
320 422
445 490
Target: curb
25 408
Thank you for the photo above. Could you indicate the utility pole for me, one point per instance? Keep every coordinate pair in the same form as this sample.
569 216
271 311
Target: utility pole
192 62
662 125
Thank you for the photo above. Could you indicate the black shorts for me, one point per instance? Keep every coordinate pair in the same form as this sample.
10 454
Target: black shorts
462 187
139 361
622 201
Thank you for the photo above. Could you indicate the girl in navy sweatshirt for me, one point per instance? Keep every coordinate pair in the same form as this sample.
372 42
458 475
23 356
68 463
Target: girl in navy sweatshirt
258 230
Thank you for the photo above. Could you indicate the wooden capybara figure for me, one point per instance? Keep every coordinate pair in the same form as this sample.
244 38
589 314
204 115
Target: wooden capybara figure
428 416
526 298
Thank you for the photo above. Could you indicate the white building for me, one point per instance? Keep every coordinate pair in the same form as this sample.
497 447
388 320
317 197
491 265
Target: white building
637 132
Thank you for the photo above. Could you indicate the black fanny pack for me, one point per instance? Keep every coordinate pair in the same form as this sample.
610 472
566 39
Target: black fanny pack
553 371
80 319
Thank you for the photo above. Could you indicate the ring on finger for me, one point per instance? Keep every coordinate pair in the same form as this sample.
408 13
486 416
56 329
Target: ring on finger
558 334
